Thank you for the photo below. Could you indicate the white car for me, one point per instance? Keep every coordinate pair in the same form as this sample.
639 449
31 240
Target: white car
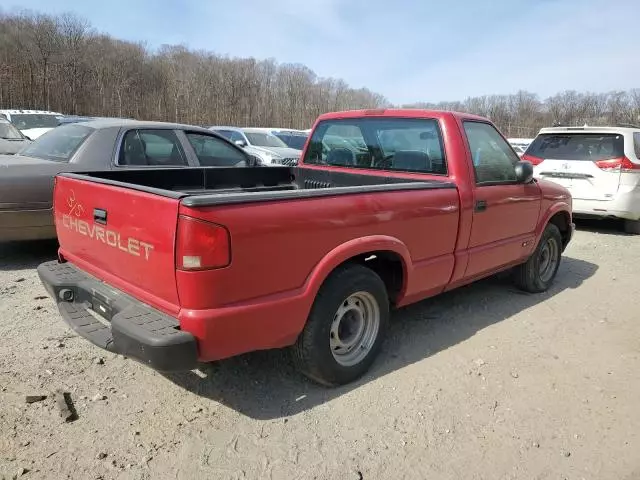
520 142
262 144
599 165
32 123
519 150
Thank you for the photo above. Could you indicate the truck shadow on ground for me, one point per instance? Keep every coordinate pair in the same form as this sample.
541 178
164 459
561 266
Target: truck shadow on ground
264 385
26 255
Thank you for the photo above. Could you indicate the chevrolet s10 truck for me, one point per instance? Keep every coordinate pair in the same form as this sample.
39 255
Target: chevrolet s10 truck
173 267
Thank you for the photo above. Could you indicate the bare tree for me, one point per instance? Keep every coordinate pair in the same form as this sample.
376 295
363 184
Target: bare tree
95 74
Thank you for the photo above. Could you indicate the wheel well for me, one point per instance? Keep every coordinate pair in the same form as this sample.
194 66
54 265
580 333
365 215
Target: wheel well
389 267
561 220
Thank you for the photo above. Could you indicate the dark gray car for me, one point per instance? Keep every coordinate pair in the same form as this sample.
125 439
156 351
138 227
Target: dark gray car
26 179
12 140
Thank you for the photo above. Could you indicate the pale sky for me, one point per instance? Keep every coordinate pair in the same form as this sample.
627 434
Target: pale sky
407 50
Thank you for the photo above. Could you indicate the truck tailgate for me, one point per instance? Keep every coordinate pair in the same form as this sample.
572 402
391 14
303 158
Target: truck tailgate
123 236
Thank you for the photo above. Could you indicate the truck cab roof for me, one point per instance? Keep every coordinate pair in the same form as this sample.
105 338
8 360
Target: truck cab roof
399 112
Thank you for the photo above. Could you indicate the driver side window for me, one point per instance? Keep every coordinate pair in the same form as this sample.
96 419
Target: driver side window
214 152
493 158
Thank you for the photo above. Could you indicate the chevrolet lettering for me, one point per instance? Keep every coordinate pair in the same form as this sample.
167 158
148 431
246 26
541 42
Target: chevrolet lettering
129 245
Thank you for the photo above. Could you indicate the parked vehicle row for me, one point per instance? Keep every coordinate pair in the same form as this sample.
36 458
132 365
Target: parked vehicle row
602 188
172 267
26 181
269 146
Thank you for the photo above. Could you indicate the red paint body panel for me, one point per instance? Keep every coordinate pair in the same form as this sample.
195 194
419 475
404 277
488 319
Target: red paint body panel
498 233
281 256
287 243
282 251
135 252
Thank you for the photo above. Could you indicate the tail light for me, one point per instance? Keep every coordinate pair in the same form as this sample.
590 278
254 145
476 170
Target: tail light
201 245
622 164
531 159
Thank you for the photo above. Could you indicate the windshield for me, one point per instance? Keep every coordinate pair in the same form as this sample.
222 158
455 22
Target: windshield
265 140
9 132
577 146
293 141
34 120
58 144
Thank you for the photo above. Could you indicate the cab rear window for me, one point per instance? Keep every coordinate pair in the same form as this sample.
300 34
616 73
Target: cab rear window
386 143
577 146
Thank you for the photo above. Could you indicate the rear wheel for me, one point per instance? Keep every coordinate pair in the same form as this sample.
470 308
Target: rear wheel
345 328
538 272
632 227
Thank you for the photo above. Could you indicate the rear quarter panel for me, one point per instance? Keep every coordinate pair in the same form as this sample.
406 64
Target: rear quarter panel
282 248
98 151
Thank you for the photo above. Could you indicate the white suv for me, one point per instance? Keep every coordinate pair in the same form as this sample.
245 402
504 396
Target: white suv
599 165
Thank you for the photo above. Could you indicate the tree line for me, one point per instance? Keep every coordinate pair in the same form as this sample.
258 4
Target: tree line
523 114
61 63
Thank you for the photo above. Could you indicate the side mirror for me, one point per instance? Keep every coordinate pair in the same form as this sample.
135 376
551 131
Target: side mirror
524 172
240 143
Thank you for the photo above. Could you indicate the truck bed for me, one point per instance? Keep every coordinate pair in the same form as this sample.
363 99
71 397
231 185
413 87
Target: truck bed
223 186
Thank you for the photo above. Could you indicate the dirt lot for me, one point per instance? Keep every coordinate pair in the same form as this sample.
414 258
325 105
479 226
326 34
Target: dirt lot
484 382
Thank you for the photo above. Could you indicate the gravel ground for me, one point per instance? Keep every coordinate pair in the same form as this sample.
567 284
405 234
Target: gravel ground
483 382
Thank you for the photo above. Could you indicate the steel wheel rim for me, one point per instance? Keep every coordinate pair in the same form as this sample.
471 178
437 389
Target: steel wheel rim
548 259
354 328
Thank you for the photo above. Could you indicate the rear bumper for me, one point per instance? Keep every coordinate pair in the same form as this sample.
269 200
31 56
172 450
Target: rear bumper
117 322
625 205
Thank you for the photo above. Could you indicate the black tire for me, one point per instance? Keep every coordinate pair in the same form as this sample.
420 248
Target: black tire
632 227
532 276
313 352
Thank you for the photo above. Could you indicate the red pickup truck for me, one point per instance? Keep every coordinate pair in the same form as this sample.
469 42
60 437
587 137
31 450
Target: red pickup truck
386 208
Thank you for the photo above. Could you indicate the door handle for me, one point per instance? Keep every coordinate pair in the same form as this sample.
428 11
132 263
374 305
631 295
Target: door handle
100 216
481 206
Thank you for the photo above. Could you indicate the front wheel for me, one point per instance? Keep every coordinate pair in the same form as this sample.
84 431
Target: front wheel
538 272
345 328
